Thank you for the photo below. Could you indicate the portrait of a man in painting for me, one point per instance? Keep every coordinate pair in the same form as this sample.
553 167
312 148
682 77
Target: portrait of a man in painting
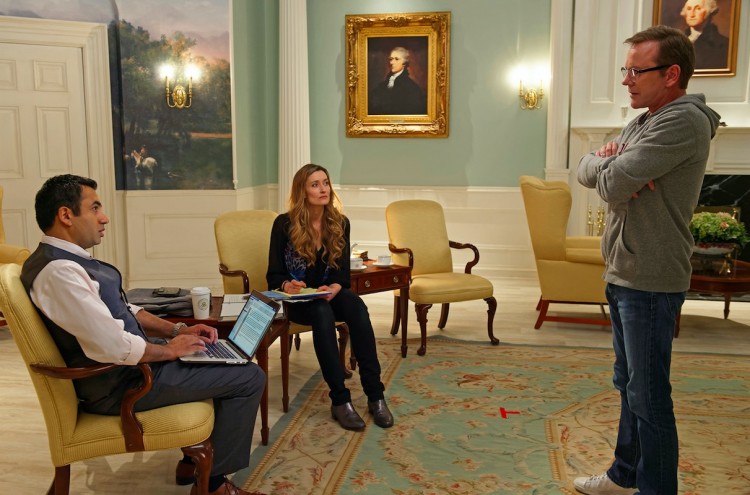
396 92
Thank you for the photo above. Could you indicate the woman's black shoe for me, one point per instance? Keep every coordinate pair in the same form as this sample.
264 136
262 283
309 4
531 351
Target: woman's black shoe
379 411
347 417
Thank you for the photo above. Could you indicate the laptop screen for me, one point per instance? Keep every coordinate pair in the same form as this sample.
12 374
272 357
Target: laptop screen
250 327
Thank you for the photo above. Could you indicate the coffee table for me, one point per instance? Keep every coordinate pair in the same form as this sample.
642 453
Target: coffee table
727 286
279 330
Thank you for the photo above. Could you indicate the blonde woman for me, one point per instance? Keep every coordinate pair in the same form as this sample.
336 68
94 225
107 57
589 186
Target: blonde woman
310 248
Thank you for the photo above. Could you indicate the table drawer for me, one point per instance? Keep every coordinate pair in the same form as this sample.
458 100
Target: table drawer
380 281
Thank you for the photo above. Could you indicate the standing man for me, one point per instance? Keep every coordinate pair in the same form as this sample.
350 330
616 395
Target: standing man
650 176
81 301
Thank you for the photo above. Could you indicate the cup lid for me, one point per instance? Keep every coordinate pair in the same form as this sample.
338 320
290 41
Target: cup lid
200 290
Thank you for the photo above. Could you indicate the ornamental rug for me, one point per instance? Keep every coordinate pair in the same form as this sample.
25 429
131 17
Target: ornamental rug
471 418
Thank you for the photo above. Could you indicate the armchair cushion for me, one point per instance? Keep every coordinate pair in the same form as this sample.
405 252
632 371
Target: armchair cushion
439 288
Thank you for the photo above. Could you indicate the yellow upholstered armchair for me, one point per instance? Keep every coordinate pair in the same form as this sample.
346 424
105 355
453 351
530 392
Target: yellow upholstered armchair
418 238
75 435
242 240
8 252
570 269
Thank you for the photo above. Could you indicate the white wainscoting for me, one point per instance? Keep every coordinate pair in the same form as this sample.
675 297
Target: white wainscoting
170 241
493 219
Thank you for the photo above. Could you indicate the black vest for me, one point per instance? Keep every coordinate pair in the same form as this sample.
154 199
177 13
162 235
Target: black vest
93 389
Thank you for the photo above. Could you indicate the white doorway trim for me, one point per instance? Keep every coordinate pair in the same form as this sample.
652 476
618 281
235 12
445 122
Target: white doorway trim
91 38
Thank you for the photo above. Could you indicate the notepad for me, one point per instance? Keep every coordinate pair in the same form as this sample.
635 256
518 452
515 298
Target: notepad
306 293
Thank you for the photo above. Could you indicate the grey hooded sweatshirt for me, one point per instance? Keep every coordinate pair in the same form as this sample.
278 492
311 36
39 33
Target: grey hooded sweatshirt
647 243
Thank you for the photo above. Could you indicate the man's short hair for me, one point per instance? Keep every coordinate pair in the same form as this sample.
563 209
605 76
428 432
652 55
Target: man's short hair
404 54
61 190
675 48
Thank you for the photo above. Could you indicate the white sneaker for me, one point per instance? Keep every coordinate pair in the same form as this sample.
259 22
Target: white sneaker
600 485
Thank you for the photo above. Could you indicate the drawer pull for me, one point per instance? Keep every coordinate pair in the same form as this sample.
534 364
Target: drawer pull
367 284
395 279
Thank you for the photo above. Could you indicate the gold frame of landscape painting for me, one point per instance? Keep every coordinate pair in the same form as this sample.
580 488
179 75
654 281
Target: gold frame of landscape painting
716 54
397 74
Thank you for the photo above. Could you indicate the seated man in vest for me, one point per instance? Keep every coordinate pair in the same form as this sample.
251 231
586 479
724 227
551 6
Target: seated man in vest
82 303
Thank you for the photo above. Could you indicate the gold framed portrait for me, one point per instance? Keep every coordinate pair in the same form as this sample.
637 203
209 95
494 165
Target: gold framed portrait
397 74
712 26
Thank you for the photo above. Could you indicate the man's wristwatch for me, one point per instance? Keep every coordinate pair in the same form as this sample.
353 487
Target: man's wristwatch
176 328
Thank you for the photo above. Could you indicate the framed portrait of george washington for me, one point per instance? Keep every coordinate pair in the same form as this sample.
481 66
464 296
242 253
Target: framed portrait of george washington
397 74
712 26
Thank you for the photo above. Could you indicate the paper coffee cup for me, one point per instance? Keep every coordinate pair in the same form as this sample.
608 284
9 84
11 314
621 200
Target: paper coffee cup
201 302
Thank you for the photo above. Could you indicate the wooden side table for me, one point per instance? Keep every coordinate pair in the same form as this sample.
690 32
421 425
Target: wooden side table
396 277
727 286
279 330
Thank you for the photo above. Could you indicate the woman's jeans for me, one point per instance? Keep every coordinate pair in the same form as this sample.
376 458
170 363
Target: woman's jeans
322 316
643 325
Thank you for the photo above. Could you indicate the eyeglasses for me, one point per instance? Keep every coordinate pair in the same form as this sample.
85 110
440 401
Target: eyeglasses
635 72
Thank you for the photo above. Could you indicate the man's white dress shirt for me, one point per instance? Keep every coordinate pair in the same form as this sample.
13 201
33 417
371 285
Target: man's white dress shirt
65 293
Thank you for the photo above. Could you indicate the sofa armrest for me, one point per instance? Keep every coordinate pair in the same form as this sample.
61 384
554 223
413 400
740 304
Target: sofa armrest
583 255
585 242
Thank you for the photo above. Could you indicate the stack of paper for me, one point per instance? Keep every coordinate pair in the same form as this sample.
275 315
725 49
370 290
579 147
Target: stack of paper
232 305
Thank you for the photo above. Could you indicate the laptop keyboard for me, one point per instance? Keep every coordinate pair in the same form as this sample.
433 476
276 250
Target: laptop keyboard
218 350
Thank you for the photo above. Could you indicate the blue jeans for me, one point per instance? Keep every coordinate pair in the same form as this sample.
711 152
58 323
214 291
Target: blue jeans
643 325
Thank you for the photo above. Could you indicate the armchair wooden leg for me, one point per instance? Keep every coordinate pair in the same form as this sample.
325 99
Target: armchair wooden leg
491 308
343 341
396 315
202 455
61 483
604 313
539 304
542 306
285 344
422 310
297 341
444 315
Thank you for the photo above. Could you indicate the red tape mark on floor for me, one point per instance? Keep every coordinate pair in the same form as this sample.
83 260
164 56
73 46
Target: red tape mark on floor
505 413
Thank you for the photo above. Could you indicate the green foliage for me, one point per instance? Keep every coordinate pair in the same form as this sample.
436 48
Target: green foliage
708 227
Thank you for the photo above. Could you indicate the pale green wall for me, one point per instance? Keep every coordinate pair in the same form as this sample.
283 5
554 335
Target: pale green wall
491 142
255 37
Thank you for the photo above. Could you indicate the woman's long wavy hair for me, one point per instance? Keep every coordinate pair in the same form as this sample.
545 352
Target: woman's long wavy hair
301 233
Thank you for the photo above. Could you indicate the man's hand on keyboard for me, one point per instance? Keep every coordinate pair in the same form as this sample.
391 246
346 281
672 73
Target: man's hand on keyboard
209 335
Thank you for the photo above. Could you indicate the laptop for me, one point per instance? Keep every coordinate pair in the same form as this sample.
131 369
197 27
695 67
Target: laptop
248 331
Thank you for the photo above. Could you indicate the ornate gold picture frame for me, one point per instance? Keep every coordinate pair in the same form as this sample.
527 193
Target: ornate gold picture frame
716 46
397 74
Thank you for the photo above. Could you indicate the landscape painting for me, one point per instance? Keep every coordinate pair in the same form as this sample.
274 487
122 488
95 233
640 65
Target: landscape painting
165 146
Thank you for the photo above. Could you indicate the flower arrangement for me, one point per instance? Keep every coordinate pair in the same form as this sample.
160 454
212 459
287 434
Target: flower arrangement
717 228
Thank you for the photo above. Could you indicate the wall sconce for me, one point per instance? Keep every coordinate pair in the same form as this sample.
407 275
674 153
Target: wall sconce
531 98
178 97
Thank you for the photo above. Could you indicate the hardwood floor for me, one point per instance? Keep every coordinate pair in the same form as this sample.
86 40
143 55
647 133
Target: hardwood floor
27 468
